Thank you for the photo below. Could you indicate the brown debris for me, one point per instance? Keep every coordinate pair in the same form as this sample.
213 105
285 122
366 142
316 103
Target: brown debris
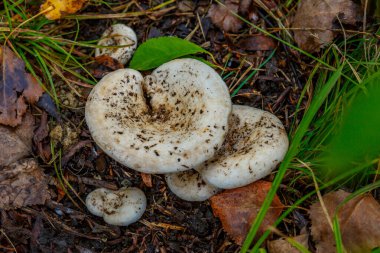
313 32
257 42
22 183
147 179
237 208
16 88
283 246
223 18
105 64
16 143
359 221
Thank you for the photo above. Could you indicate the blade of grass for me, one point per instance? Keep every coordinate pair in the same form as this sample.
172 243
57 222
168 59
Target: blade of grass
293 150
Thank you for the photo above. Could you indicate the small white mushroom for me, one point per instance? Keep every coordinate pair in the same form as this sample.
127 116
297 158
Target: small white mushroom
118 35
171 121
190 186
255 143
119 208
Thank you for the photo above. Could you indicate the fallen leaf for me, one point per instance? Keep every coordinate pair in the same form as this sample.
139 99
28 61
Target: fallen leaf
237 208
105 64
313 32
40 138
16 143
223 18
147 179
257 42
359 221
283 246
22 183
16 88
60 8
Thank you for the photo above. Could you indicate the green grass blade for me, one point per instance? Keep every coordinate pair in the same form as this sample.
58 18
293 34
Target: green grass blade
293 150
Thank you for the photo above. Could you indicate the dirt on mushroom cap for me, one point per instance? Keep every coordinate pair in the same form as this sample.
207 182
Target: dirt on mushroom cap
256 142
171 121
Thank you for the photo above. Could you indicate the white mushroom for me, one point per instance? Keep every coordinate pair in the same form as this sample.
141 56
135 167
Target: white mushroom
119 208
189 185
171 121
118 35
255 143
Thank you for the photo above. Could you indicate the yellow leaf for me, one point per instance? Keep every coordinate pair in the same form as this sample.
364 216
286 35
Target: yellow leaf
61 8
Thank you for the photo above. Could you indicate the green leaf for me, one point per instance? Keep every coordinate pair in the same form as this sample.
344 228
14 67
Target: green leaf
357 139
155 52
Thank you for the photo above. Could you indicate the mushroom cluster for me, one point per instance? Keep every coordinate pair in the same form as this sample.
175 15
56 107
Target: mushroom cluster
180 121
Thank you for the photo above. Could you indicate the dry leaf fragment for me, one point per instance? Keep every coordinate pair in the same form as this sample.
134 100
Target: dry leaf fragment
313 32
257 42
283 246
359 221
223 18
16 143
237 208
16 88
147 179
61 8
22 183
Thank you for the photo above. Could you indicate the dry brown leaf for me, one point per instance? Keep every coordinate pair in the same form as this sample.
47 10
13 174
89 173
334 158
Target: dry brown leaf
313 32
147 179
22 183
223 18
16 88
61 8
257 42
105 64
359 221
283 246
237 208
16 143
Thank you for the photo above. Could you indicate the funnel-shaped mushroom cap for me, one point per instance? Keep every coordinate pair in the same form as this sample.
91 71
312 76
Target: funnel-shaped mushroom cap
118 35
171 121
189 185
119 208
256 142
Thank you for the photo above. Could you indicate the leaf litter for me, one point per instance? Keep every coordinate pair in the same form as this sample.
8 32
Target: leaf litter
16 88
313 32
237 209
359 221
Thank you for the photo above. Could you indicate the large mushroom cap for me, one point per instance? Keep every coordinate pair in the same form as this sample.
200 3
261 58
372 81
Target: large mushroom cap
171 121
256 142
189 186
119 208
118 35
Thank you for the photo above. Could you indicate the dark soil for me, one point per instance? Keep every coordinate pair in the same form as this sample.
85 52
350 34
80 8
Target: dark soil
169 224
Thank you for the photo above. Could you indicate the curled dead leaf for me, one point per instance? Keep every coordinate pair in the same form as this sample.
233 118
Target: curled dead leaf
60 8
313 32
237 208
359 221
16 88
22 183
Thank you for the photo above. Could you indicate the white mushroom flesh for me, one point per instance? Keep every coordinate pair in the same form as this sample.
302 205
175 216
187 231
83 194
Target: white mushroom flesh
118 35
119 208
255 144
171 121
190 186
